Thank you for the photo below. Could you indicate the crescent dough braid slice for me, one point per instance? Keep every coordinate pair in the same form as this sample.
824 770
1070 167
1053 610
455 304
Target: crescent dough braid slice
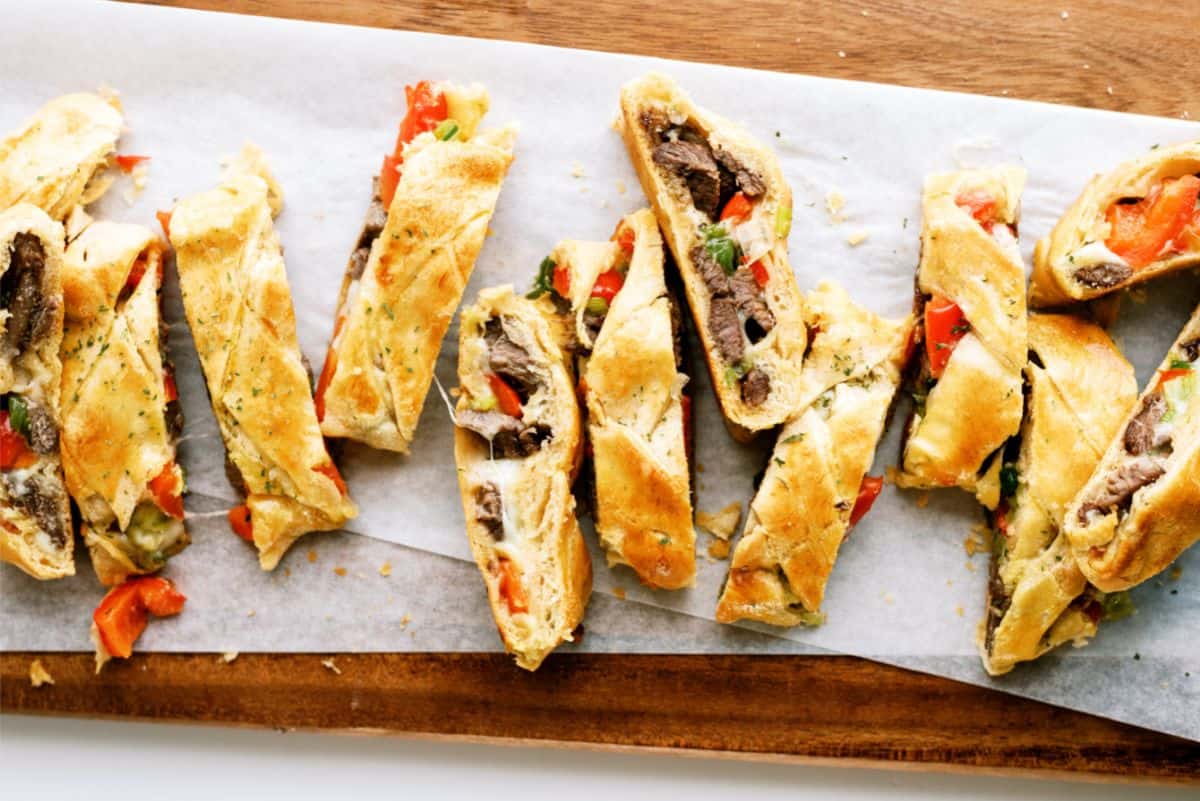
239 308
970 307
517 447
1137 222
409 269
816 485
35 515
1141 508
1079 389
725 211
52 159
121 414
626 330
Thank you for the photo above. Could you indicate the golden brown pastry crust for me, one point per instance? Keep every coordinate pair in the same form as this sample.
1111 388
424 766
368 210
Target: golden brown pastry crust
33 371
1122 546
115 432
976 404
52 159
239 308
540 534
780 353
1077 241
633 390
801 512
1080 388
391 322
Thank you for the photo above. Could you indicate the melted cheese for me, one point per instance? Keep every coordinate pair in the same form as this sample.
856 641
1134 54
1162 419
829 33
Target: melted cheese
506 474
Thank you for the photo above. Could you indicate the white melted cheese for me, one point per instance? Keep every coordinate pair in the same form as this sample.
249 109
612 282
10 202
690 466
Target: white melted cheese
506 475
1094 253
1007 242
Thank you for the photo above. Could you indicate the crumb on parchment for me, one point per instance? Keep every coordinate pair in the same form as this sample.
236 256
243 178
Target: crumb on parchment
385 569
857 238
835 203
329 665
577 170
341 571
38 675
229 656
1176 573
621 187
721 524
958 610
404 621
312 555
970 566
619 592
719 549
977 540
922 500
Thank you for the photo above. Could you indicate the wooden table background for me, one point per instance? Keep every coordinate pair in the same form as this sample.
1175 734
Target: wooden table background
1115 54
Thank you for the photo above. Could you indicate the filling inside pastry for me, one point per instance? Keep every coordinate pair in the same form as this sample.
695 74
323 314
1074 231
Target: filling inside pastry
941 324
1147 441
429 111
1141 231
731 237
508 401
28 432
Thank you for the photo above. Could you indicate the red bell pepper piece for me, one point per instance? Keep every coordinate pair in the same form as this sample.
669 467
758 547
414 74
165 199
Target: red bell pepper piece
15 453
164 219
1140 232
240 522
759 270
127 163
868 491
607 285
511 588
330 471
945 325
506 397
1172 374
170 390
122 616
561 279
426 109
980 205
625 239
167 491
737 208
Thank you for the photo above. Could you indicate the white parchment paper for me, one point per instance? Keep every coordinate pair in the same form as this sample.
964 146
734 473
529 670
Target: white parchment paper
324 102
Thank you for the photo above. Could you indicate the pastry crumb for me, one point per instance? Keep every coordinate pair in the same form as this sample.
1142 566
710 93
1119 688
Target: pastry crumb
719 549
604 203
857 238
385 569
1065 15
312 556
251 613
38 675
287 572
620 187
971 566
404 621
1176 573
341 571
699 467
722 524
229 656
1109 90
889 474
577 170
923 500
835 202
330 666
841 54
976 541
958 610
619 592
887 598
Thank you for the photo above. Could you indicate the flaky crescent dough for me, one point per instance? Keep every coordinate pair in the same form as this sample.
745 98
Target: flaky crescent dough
1077 241
394 318
976 404
1123 547
239 308
801 511
633 392
32 370
115 433
53 157
541 535
1080 388
780 353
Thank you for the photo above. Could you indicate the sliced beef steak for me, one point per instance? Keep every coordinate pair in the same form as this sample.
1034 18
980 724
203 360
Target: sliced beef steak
42 499
1139 434
693 162
1191 349
711 272
750 182
751 303
1121 484
31 312
1102 276
510 438
510 361
726 329
756 387
489 509
43 431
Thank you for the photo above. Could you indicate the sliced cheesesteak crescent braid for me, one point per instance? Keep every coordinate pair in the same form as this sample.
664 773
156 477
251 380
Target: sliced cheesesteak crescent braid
1137 222
517 445
626 337
971 321
239 308
121 413
725 211
1141 508
1079 389
55 160
35 514
816 485
424 230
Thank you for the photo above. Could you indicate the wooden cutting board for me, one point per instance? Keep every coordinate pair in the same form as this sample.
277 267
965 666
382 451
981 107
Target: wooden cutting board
1110 54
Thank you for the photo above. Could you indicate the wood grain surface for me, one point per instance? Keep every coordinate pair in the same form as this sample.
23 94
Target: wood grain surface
816 708
1113 54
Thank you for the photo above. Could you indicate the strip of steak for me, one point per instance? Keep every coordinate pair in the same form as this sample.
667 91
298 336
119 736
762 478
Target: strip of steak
22 288
1139 434
694 162
726 329
1102 276
751 303
750 182
489 509
756 387
509 360
1121 484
